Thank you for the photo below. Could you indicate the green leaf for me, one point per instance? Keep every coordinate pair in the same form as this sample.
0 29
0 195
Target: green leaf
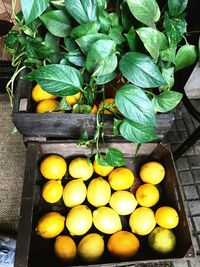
27 30
114 19
63 105
176 7
116 125
153 40
86 41
59 4
103 79
134 104
185 56
140 70
168 75
70 44
36 49
84 29
100 159
137 133
115 157
76 57
115 34
83 139
104 21
57 79
131 38
175 29
126 16
57 22
166 101
29 61
145 11
53 43
32 9
102 4
168 54
12 40
83 11
101 58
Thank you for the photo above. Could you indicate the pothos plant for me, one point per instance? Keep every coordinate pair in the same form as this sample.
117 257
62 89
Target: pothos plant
84 45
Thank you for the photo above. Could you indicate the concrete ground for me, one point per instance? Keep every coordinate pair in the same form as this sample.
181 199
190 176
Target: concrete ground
12 162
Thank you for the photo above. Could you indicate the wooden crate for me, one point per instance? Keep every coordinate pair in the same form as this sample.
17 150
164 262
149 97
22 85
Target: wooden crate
68 125
34 251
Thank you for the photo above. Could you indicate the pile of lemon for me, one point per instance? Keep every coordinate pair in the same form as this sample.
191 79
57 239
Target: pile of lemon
46 102
95 206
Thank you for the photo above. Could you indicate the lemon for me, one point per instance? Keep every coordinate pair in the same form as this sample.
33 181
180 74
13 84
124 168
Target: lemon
53 167
142 221
99 192
74 193
91 247
94 109
123 202
65 248
38 94
73 99
123 245
50 225
48 105
107 220
152 172
52 191
79 220
167 217
121 178
102 170
81 168
162 241
110 104
147 195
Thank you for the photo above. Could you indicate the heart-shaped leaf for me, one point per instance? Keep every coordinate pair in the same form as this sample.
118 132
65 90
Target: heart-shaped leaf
176 7
84 29
32 9
57 22
185 56
83 11
101 58
76 57
134 104
166 101
115 157
168 75
139 69
57 79
145 11
153 40
137 133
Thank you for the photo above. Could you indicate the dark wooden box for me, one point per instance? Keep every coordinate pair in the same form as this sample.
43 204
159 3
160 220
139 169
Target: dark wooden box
33 251
68 125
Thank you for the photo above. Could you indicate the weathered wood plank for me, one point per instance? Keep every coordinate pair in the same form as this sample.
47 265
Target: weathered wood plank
192 87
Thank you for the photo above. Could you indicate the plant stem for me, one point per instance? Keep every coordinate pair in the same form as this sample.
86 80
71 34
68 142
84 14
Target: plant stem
148 92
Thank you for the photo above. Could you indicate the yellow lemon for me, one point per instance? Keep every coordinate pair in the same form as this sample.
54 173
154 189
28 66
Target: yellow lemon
38 94
91 247
53 167
167 217
123 202
65 248
109 102
102 170
98 192
107 220
81 168
50 225
73 99
123 245
94 109
162 241
74 193
142 221
152 172
147 195
52 191
47 106
121 178
79 220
